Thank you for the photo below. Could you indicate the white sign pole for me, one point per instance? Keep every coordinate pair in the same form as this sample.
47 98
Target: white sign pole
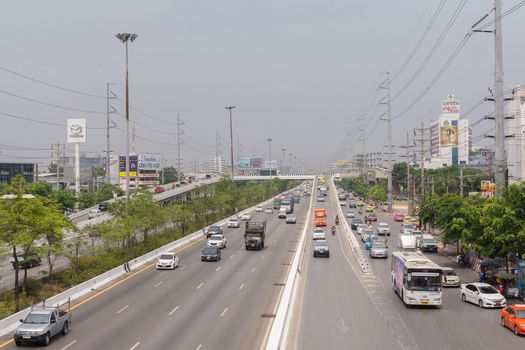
77 168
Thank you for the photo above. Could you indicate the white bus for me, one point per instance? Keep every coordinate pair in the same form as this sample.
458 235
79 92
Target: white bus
416 279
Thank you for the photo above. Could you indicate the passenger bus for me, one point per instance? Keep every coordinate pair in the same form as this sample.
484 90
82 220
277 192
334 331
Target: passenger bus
277 202
416 279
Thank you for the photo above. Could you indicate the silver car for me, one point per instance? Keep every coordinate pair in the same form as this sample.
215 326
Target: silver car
378 250
360 228
321 248
291 219
366 234
350 215
167 261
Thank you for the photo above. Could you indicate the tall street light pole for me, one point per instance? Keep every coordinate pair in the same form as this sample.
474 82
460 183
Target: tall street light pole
270 155
231 137
284 157
499 117
125 37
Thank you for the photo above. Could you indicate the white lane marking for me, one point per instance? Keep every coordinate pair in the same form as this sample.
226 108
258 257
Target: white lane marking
231 257
200 285
218 268
68 345
224 311
135 346
253 269
124 308
262 257
241 287
199 347
182 268
158 284
174 309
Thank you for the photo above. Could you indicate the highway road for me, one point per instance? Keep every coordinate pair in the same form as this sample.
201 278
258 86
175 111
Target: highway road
343 308
200 305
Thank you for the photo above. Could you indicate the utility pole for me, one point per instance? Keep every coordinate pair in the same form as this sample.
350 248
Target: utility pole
291 164
231 138
499 117
179 142
422 155
386 85
270 155
108 175
284 157
217 148
409 190
58 165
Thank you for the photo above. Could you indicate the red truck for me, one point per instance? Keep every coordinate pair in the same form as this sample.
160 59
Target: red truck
320 217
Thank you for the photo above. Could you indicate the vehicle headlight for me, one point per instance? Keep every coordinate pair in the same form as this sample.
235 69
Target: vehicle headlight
522 325
411 299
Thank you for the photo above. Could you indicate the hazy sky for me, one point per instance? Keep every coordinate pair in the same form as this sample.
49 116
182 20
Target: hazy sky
299 71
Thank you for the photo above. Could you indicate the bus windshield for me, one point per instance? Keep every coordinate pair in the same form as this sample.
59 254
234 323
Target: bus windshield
424 281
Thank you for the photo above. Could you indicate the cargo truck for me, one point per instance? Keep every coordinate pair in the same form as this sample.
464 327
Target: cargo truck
254 235
320 217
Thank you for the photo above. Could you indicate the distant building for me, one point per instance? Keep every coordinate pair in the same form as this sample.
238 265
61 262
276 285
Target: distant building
515 145
450 136
218 165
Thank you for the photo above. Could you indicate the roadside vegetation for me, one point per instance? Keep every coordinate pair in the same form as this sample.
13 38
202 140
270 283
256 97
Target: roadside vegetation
490 227
143 227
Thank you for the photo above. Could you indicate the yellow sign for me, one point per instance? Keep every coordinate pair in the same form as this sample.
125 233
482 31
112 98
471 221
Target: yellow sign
131 174
341 162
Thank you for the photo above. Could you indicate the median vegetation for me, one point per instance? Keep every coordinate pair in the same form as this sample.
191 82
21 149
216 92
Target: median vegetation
143 227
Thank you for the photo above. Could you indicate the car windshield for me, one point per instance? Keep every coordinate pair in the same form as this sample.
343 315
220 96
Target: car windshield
291 216
383 225
361 226
487 290
209 250
233 219
357 221
215 238
166 256
520 313
318 231
449 273
37 319
428 240
379 245
408 227
369 231
214 229
321 243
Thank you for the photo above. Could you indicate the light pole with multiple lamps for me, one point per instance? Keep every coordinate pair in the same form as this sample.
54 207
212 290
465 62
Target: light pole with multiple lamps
125 37
231 137
270 155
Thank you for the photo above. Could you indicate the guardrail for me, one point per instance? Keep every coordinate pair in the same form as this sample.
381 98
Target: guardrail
9 324
279 330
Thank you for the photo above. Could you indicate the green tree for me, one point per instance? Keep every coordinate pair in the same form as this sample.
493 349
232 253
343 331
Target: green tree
170 174
378 194
65 198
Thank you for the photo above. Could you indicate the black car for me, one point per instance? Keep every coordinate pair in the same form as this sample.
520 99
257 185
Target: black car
355 222
211 253
213 230
103 206
33 259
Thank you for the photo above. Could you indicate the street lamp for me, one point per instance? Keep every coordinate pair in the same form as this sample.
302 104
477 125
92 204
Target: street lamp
125 37
231 137
270 155
282 163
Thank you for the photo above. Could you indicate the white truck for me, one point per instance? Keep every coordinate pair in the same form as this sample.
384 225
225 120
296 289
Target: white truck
407 243
41 324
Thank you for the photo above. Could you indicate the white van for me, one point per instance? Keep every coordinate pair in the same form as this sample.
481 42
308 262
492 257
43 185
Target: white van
282 213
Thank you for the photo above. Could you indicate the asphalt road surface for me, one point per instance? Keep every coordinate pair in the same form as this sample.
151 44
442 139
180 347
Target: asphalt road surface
342 308
200 305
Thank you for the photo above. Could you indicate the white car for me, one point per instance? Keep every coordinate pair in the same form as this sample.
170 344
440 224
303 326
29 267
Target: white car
217 241
268 211
360 228
320 199
233 222
449 277
93 213
482 294
350 215
366 234
383 229
318 234
167 261
342 203
246 217
259 209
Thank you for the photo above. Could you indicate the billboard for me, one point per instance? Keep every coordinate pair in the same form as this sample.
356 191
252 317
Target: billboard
270 164
150 161
341 162
133 166
76 131
448 132
244 162
256 163
450 105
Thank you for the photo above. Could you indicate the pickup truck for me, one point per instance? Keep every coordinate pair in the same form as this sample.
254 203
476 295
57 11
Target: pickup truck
41 324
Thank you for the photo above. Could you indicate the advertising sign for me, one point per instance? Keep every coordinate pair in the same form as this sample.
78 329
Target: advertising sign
449 133
150 161
450 105
270 164
341 162
244 162
133 166
256 163
76 131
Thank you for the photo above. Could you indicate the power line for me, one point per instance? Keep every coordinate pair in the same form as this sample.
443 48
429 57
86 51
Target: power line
50 84
50 104
421 39
434 48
